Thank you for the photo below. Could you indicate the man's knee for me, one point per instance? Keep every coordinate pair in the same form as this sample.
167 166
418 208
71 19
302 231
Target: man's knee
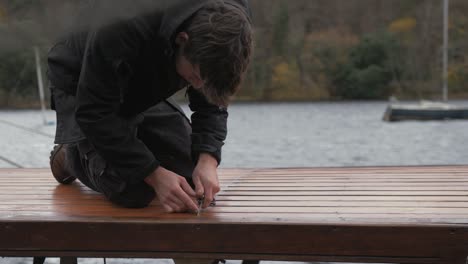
166 132
94 172
135 197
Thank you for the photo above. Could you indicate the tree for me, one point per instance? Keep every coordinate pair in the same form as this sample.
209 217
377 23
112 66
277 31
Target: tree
368 73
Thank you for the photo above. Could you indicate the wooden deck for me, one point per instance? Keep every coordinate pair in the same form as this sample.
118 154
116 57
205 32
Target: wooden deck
369 214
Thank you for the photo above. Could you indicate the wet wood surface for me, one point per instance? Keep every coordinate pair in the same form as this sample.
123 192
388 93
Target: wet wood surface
368 214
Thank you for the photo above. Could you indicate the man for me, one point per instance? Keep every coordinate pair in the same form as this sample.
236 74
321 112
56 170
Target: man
118 132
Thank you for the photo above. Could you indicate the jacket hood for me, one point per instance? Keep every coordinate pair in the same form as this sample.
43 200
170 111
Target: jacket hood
178 11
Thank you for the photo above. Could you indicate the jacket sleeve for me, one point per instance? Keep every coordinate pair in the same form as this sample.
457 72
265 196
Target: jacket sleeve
105 68
209 126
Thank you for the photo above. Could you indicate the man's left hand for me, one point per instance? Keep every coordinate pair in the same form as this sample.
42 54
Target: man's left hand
205 178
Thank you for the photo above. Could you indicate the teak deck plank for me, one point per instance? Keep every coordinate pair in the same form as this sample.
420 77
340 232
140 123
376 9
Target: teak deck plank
371 214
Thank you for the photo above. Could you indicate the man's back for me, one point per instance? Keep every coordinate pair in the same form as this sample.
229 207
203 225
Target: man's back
110 82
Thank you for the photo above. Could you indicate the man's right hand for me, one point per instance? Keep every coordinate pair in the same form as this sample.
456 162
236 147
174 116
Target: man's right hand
173 191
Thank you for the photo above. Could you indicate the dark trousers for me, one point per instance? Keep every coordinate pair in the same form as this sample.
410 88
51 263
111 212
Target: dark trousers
165 131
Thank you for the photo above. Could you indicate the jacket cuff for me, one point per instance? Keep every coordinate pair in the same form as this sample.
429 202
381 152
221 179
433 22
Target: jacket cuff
206 144
215 154
140 175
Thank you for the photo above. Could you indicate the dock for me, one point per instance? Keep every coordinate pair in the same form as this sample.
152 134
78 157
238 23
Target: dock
359 214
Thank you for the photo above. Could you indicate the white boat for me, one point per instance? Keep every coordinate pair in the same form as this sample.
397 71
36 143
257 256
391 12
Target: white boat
424 111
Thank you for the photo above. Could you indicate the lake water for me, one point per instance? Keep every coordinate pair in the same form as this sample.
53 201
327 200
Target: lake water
287 135
279 135
338 134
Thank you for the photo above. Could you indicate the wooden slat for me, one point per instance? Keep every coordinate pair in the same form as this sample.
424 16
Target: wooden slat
92 195
260 189
365 187
98 200
314 258
234 219
279 211
399 212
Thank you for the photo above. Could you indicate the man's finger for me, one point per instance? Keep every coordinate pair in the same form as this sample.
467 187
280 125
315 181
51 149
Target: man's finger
167 208
188 202
198 187
177 203
187 188
208 198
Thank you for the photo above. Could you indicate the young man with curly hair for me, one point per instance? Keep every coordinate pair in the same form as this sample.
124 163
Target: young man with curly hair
117 130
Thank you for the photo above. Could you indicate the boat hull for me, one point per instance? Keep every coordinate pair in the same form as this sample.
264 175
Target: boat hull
401 114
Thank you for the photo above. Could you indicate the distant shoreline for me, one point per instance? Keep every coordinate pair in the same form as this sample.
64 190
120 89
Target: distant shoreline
36 106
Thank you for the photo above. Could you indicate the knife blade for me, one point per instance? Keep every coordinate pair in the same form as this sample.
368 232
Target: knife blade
200 204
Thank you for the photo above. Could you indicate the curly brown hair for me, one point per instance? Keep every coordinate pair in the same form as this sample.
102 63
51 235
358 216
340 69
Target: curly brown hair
221 44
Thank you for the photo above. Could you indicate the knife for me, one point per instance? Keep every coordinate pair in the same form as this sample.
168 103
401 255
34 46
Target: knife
200 204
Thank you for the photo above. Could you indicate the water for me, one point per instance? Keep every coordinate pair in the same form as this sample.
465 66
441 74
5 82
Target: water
288 135
279 135
338 134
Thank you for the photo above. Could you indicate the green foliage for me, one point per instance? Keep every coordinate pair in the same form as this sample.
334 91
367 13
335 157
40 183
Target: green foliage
280 30
409 6
17 74
18 5
305 49
322 54
458 78
368 73
368 83
285 80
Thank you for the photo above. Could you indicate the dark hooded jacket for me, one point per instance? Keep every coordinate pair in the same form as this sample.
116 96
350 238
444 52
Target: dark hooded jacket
110 72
